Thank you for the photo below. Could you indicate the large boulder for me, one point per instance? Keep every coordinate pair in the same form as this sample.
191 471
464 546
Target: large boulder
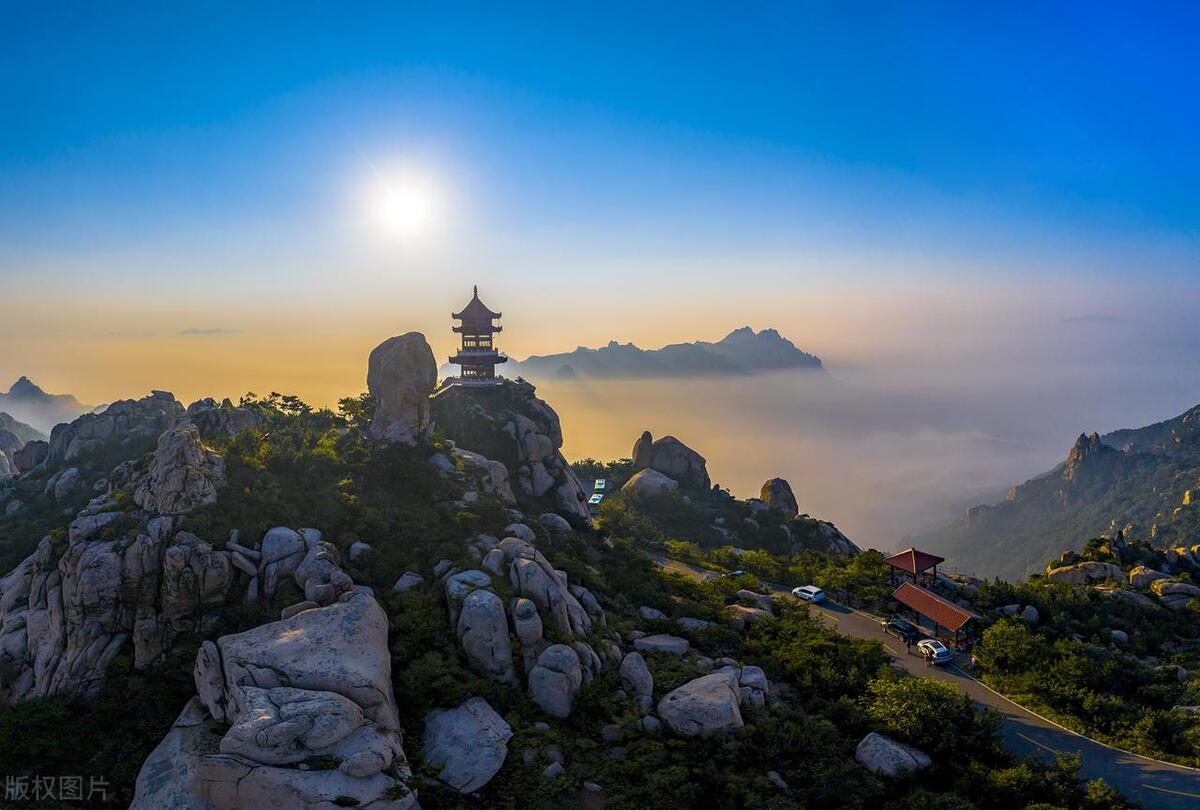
320 576
482 630
883 755
536 579
401 374
341 649
284 726
232 782
643 451
1163 587
777 494
740 615
636 679
459 585
650 483
555 680
706 705
163 780
1140 577
1086 573
753 686
526 621
663 643
183 475
311 687
673 459
466 745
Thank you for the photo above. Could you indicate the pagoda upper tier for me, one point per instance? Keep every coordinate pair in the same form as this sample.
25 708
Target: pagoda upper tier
476 318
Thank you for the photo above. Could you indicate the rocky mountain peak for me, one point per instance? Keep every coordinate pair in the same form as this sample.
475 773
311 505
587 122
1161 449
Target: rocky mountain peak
1086 446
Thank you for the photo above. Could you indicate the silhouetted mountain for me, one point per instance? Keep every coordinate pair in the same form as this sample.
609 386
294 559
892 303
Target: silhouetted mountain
742 351
1144 480
28 403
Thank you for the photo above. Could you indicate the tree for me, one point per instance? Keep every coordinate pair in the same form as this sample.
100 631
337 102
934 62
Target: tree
933 716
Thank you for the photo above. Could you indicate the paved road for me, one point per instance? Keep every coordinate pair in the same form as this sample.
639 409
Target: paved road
1155 784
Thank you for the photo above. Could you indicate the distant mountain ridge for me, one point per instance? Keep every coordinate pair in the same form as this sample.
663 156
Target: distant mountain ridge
22 431
1144 480
742 351
28 403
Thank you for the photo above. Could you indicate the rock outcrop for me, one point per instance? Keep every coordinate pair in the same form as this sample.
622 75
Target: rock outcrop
556 679
636 679
673 459
482 631
777 494
29 456
184 474
401 374
1141 577
650 483
1086 573
508 423
124 422
537 580
222 419
707 705
317 685
10 445
662 643
883 755
163 780
466 745
68 608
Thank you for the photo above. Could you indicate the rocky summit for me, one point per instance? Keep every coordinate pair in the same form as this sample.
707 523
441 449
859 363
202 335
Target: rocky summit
417 600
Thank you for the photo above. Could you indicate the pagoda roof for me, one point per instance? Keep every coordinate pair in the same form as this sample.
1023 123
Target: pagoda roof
475 310
913 560
932 606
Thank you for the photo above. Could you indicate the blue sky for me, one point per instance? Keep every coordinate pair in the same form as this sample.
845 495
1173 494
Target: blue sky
155 157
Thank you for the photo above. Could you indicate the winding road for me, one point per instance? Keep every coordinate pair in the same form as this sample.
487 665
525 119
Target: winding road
1153 783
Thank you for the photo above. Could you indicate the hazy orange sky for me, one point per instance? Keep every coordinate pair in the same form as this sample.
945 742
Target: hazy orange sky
313 338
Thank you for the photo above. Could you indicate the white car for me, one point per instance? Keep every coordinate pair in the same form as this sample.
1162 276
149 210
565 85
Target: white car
809 593
937 651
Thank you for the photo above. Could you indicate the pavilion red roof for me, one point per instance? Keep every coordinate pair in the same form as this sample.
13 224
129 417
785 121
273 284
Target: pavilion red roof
932 606
913 561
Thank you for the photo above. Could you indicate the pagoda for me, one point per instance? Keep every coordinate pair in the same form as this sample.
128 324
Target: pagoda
478 356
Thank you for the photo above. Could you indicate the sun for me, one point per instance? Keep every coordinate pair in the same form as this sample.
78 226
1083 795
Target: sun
406 206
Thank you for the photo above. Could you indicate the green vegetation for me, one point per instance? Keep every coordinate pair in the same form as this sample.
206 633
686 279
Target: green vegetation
1069 669
310 467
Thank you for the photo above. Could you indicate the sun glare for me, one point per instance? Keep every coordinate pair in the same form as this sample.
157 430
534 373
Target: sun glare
406 206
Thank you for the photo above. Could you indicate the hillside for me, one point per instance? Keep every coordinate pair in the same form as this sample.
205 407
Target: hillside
261 604
27 402
1144 480
742 351
21 430
14 435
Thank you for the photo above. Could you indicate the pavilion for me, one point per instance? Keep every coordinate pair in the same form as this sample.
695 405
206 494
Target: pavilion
948 619
914 565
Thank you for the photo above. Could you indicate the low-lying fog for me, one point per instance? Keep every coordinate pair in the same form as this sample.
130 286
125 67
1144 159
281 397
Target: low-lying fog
880 452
